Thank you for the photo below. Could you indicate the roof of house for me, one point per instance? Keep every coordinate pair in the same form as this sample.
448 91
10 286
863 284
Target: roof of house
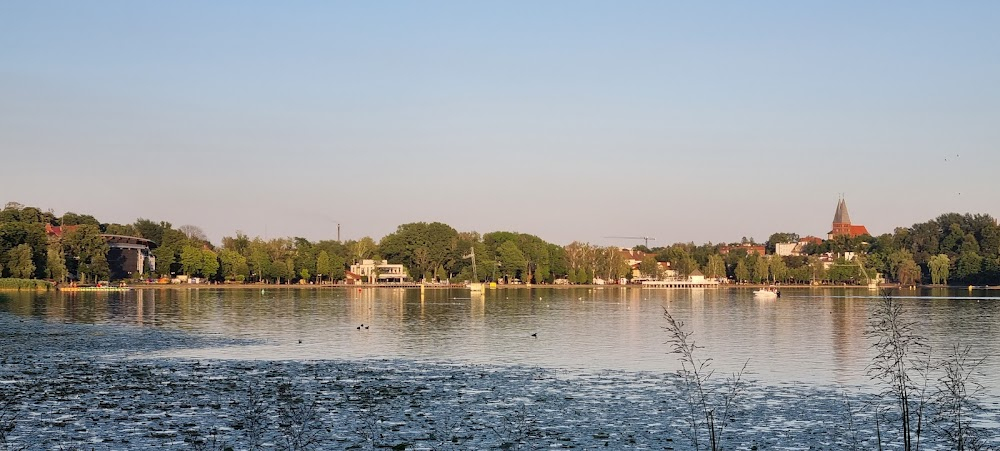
58 231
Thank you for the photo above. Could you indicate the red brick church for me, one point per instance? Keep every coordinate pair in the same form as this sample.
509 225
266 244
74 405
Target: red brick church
842 223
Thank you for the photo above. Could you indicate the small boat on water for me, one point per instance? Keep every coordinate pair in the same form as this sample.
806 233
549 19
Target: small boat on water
767 293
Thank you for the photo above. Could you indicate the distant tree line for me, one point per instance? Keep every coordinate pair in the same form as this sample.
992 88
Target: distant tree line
952 248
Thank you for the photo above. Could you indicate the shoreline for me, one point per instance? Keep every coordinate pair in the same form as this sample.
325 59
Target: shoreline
248 286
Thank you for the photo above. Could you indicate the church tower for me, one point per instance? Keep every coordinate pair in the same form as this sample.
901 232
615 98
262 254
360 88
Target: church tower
842 223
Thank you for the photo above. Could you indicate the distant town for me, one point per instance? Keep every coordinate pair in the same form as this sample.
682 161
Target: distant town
78 249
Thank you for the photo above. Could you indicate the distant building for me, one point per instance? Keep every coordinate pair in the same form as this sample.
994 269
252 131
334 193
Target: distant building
785 249
380 272
128 256
842 223
747 247
797 248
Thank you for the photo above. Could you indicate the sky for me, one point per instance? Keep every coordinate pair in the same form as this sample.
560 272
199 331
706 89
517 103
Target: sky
570 120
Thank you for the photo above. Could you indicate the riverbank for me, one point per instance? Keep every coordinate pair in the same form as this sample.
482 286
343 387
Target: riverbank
271 286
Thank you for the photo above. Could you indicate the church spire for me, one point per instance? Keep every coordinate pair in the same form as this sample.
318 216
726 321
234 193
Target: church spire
841 216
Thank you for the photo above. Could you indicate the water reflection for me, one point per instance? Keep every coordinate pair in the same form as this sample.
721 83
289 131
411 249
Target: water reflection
812 335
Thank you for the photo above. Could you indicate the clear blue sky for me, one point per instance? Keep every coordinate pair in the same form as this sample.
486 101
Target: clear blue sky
570 120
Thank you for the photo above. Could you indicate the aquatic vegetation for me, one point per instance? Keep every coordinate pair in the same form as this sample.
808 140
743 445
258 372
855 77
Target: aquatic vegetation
710 407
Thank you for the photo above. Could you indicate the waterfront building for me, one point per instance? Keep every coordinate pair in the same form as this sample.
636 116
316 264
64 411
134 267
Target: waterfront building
128 256
380 271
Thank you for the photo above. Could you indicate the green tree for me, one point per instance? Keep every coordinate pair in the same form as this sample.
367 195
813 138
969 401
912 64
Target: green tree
904 268
938 266
324 265
759 268
55 263
778 268
71 218
13 234
239 244
649 267
844 271
716 267
89 251
741 272
817 270
259 260
19 262
120 229
209 264
192 262
362 249
151 230
98 268
967 266
512 261
233 265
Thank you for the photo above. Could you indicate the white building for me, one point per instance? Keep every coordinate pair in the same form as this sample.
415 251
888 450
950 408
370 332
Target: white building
380 272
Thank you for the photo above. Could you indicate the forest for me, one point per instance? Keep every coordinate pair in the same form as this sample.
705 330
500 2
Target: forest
957 249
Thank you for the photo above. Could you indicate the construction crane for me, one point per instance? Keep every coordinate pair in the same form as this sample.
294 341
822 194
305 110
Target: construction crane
645 239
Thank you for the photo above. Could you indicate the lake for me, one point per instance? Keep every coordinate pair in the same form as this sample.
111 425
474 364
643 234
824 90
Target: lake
814 336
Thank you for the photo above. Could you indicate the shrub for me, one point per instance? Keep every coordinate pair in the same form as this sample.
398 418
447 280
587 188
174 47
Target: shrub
25 284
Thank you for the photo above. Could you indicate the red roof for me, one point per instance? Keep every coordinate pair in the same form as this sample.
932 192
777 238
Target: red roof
858 230
58 231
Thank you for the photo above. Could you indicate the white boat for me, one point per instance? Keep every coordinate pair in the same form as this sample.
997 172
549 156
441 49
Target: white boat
766 293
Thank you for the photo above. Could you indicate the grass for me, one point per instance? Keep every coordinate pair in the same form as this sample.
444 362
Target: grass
25 284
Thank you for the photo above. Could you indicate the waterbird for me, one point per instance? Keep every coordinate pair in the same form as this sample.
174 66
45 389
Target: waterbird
535 335
300 341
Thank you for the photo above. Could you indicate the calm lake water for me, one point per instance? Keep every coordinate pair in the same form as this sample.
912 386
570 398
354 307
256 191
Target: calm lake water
809 335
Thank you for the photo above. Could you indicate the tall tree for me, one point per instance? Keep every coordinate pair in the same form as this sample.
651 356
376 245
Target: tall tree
193 232
759 268
778 268
55 262
741 272
715 267
19 262
512 261
233 265
209 264
88 250
324 265
363 249
650 268
191 261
